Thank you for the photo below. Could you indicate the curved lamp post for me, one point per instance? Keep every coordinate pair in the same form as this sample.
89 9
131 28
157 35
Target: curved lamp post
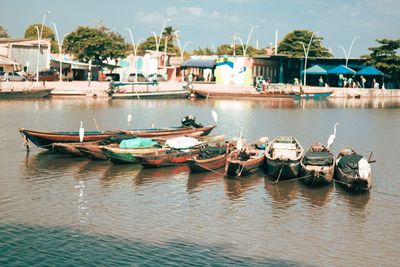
306 51
158 39
241 42
60 44
347 54
38 54
248 37
135 48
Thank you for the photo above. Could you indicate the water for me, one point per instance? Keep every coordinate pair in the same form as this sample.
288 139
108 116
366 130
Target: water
58 210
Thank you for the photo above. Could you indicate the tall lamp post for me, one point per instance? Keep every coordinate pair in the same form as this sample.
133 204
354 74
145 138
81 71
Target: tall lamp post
60 44
241 42
39 39
158 39
306 51
135 48
248 38
181 50
347 54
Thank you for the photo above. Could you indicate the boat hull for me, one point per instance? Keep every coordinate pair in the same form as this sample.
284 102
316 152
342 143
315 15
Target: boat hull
282 169
312 95
92 151
256 95
353 183
167 158
318 177
32 93
152 95
203 165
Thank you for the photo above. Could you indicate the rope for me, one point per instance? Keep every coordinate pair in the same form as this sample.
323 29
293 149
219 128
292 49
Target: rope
209 169
279 176
292 180
370 189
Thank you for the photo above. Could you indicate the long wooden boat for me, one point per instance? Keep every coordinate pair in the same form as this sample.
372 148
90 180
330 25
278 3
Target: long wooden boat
209 159
353 171
241 95
152 95
247 160
67 148
28 93
283 158
45 139
317 165
127 155
92 151
313 95
169 157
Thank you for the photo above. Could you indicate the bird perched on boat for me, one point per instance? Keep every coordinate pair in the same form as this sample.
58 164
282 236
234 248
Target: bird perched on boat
332 136
81 133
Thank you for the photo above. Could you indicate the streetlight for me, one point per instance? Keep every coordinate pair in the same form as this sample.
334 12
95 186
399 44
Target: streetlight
241 42
158 40
306 57
347 55
38 54
39 38
248 37
135 47
60 44
182 50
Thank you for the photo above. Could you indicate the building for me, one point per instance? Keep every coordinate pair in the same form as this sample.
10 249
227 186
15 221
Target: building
25 53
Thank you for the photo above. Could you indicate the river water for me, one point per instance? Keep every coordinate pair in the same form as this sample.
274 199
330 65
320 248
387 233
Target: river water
59 210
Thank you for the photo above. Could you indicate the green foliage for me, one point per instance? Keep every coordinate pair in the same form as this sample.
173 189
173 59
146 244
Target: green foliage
227 49
150 44
97 44
47 33
385 57
291 44
3 32
203 52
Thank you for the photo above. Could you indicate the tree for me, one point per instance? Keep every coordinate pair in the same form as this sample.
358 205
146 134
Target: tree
386 58
150 44
227 49
291 44
3 32
203 52
48 33
97 44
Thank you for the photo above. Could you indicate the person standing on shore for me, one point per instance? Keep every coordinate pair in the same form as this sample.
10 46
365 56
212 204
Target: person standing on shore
321 81
363 81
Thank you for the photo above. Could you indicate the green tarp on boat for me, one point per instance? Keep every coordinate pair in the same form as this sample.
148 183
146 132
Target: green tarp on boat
138 142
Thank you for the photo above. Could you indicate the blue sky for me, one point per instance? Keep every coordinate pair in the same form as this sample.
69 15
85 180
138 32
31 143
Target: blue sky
213 22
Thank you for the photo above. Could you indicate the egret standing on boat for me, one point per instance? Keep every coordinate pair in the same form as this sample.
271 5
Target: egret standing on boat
81 133
332 136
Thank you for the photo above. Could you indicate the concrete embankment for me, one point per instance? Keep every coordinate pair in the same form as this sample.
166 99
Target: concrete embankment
99 89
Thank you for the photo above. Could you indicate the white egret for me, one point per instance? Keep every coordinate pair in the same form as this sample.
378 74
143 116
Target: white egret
129 119
332 136
239 143
215 115
81 133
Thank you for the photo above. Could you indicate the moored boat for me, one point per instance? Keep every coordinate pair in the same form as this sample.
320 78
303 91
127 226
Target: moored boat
209 159
25 93
353 171
247 159
283 158
243 94
169 157
317 165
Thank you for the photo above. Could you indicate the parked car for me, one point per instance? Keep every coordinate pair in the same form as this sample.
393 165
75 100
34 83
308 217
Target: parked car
49 75
12 76
140 77
156 77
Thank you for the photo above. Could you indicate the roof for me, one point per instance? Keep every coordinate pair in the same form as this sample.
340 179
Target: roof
199 63
7 61
369 71
341 69
316 69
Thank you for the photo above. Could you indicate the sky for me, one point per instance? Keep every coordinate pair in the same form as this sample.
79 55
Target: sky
209 23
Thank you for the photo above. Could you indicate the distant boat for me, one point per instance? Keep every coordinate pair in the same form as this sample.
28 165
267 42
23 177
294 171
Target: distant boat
353 171
242 94
313 93
283 158
28 93
317 165
152 95
247 160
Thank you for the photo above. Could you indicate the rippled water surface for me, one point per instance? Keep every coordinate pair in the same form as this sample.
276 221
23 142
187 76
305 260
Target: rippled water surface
60 210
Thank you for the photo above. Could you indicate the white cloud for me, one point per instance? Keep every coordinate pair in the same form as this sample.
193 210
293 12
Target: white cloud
194 11
149 17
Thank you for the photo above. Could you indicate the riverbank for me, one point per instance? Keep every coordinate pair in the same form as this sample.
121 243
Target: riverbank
99 89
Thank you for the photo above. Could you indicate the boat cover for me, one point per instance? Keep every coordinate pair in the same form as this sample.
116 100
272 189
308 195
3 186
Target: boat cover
349 164
318 158
183 142
138 142
211 152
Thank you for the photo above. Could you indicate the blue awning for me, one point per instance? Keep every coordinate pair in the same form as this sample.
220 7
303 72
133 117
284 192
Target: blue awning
341 69
369 71
199 63
316 70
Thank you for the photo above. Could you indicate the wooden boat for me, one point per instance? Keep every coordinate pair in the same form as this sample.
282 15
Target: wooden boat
125 155
283 158
317 165
209 159
313 93
92 150
152 95
241 94
166 157
45 139
353 171
247 160
67 148
28 93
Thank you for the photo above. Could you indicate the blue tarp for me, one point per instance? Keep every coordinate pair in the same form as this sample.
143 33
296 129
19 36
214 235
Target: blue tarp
199 63
138 142
369 71
341 69
317 70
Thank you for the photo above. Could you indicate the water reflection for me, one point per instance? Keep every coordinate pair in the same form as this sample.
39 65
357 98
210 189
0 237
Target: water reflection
116 173
245 104
356 202
157 175
375 103
198 181
283 193
236 188
317 196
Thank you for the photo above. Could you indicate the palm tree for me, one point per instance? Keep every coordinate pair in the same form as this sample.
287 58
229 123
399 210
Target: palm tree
169 34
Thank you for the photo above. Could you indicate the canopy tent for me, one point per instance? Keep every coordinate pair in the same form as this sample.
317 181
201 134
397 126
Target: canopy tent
316 70
371 71
341 69
199 63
